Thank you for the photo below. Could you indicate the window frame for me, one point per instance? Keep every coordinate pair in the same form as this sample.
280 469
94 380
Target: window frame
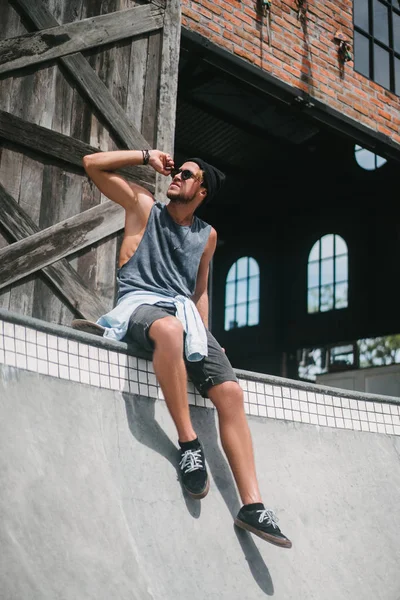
335 281
235 280
394 86
359 150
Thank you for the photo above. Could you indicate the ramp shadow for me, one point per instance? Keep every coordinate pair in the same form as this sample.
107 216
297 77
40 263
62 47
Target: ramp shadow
140 413
204 422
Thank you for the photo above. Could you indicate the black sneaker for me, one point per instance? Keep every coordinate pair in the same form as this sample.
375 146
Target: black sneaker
264 524
193 472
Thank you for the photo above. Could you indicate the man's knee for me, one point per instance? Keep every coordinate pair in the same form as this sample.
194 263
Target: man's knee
168 330
227 396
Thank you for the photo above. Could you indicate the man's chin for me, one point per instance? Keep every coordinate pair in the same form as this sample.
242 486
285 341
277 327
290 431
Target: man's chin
173 194
177 199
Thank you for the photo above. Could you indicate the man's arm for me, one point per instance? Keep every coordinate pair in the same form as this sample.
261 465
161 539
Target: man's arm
100 168
200 296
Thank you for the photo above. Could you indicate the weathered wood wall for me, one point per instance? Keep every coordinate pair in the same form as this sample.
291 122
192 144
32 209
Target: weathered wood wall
102 76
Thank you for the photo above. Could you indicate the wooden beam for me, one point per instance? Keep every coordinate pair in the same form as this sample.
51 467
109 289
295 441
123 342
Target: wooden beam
58 241
152 87
88 81
62 276
34 48
97 92
168 87
61 147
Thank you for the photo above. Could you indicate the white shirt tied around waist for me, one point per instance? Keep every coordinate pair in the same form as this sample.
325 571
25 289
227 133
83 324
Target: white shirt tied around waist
116 321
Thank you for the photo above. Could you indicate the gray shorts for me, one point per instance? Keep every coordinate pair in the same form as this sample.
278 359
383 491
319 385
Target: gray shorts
211 370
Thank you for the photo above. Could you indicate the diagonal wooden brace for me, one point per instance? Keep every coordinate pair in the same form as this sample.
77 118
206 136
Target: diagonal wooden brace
58 241
35 48
88 81
61 275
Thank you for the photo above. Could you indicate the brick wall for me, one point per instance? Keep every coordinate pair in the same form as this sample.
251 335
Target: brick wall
305 57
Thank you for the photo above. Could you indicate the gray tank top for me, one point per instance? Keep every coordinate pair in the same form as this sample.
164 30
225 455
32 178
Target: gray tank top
167 258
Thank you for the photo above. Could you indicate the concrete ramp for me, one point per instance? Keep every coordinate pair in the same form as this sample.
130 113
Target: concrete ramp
91 507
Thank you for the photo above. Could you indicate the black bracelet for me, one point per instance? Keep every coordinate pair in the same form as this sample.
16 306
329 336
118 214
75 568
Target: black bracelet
146 157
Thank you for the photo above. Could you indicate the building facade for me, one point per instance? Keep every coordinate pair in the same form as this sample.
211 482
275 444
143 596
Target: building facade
345 54
299 103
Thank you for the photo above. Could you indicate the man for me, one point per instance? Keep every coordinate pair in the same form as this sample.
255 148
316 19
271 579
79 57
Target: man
162 304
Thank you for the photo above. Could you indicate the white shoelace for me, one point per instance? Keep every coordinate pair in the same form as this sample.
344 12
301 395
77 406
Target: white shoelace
269 516
191 461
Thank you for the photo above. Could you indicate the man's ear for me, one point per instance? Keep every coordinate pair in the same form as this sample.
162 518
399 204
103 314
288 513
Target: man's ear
204 192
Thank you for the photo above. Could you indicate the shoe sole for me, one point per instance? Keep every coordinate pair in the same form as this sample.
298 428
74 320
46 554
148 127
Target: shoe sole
87 327
202 494
282 543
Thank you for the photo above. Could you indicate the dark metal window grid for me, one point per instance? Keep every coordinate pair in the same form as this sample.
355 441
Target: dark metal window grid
393 7
239 302
378 161
336 282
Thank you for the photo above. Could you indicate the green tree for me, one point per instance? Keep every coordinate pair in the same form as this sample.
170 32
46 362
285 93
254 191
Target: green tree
379 351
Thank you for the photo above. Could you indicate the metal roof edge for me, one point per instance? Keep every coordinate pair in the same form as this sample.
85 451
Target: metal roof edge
312 108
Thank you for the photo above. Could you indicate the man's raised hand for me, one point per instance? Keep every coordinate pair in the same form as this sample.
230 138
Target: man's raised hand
161 162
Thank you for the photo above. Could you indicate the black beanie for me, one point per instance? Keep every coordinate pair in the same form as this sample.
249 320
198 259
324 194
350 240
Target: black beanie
213 178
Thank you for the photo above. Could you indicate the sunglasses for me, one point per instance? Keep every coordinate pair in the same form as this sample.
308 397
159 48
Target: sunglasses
185 174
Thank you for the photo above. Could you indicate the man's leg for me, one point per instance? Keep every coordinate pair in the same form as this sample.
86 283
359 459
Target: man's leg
236 441
236 438
215 378
166 334
170 370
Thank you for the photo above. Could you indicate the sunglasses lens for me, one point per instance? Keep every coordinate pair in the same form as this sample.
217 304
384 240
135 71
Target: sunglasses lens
186 174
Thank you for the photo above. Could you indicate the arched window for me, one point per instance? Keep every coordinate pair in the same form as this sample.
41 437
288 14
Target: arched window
368 160
242 294
328 274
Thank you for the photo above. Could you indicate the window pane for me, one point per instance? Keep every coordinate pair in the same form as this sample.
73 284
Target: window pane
397 76
314 254
381 67
241 291
342 351
381 22
361 54
343 355
327 246
341 295
241 315
232 273
341 269
313 274
254 313
341 247
361 14
313 300
253 267
365 159
230 294
229 318
380 161
326 298
327 271
242 267
254 288
396 32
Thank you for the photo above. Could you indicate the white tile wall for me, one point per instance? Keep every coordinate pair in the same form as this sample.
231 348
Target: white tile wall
48 354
